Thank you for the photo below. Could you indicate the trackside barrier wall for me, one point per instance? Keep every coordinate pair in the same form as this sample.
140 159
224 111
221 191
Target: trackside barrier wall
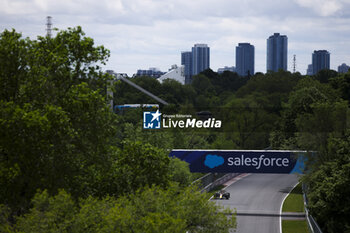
209 181
219 181
312 224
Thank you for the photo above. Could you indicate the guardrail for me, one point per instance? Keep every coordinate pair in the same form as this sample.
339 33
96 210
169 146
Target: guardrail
312 224
209 181
206 180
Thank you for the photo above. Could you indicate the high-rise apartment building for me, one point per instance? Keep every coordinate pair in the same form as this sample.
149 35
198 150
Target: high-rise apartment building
245 59
200 58
186 60
277 52
320 60
195 61
343 68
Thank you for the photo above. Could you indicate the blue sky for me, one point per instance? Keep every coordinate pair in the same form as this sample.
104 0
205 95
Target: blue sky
152 33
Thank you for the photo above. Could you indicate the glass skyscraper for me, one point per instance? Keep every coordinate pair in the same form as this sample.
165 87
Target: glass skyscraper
200 58
320 60
245 59
277 52
186 60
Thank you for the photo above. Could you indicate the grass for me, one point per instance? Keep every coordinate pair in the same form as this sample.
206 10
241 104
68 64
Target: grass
294 226
294 202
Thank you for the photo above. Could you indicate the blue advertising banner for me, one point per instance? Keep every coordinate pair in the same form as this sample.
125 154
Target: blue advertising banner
242 161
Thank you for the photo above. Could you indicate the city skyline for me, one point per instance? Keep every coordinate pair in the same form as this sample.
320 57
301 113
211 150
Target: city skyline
142 34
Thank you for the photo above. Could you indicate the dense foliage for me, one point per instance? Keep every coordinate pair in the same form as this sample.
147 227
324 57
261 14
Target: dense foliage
151 210
53 116
69 164
329 190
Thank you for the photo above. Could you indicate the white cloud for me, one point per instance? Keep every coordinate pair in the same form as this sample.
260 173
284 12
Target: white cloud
322 7
152 33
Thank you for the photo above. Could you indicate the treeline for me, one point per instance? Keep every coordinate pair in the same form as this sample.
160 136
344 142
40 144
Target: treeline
279 110
69 164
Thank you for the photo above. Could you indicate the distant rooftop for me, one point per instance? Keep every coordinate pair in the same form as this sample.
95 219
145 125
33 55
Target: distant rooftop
244 43
276 34
200 45
321 51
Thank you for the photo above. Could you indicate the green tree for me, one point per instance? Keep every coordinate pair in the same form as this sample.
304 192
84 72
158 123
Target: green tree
202 84
5 224
56 130
229 81
176 93
307 93
157 138
325 120
148 210
248 124
328 187
274 86
342 84
138 165
49 214
323 76
180 172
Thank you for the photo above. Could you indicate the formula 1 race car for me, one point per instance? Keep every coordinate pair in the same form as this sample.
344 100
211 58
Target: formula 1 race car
222 194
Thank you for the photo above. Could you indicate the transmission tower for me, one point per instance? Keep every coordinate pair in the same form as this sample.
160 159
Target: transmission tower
48 26
294 63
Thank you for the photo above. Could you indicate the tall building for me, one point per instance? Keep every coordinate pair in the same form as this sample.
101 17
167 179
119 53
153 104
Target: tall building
309 70
320 60
245 59
277 52
343 68
186 60
200 58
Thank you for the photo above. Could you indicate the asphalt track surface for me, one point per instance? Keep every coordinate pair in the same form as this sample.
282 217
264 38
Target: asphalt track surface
258 198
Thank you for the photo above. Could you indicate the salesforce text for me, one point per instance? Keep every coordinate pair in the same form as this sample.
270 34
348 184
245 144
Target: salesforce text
258 162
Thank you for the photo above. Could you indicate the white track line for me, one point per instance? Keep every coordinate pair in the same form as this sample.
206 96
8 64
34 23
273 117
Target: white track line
282 206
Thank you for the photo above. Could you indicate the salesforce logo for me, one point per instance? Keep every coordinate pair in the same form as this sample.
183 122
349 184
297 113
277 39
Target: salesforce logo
258 162
213 161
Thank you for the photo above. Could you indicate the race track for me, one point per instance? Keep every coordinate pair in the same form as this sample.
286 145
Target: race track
258 198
